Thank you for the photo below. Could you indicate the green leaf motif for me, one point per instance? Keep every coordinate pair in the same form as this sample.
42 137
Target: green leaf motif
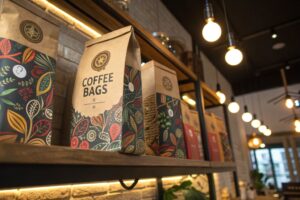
6 81
4 70
7 92
43 61
8 102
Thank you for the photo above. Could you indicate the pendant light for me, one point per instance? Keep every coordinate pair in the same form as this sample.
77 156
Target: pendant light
220 94
296 122
211 31
289 103
297 129
233 106
246 116
255 122
254 142
267 132
262 145
233 55
262 128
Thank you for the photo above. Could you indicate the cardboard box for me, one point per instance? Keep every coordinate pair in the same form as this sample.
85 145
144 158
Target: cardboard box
214 144
196 125
163 120
224 139
191 139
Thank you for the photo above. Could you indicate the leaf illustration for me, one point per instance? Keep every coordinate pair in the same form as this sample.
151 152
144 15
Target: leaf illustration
104 136
165 135
8 102
5 46
43 61
49 98
8 138
173 139
166 154
8 91
44 84
126 141
28 55
16 121
114 146
41 127
133 124
129 149
32 108
36 141
81 127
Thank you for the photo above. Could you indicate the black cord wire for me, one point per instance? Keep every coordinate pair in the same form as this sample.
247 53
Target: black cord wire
226 16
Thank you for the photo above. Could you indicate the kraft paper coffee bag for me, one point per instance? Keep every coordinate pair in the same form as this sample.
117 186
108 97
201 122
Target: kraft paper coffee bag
107 98
28 48
163 120
196 125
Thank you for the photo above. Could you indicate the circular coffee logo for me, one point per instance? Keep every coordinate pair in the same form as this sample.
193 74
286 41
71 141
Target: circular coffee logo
31 31
100 61
167 83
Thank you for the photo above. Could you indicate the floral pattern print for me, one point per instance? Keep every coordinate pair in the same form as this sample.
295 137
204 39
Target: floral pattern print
119 129
171 140
26 94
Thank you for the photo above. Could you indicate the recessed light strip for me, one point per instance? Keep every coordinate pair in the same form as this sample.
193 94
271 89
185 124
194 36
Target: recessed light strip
49 7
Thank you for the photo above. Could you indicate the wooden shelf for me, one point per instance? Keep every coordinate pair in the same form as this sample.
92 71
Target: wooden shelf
27 165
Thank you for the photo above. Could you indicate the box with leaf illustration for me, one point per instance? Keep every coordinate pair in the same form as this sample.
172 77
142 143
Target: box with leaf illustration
162 114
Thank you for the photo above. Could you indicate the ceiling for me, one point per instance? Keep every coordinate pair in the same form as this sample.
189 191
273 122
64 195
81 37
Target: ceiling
251 22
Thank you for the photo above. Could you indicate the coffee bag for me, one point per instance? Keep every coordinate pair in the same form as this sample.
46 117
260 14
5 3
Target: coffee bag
28 48
196 125
107 98
163 119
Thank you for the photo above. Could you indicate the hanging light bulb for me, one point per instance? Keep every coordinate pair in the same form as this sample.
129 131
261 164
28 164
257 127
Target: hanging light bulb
221 95
255 122
211 31
233 106
254 142
262 128
296 122
247 116
233 55
262 145
289 103
267 132
297 129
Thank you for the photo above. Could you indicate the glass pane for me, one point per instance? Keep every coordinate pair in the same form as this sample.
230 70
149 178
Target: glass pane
252 159
265 167
280 166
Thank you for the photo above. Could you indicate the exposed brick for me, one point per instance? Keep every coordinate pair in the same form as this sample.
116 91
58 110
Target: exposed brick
132 195
117 196
117 187
8 194
72 55
89 190
66 65
57 193
149 193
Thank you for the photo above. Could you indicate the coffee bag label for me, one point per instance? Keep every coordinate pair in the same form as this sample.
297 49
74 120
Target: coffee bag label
107 98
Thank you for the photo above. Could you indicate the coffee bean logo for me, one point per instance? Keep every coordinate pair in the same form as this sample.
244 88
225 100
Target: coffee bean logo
101 60
31 31
167 83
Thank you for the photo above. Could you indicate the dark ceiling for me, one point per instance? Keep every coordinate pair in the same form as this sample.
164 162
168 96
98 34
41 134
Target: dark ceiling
251 21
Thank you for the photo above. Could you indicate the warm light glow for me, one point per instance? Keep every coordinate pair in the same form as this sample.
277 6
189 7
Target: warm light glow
247 117
190 101
233 107
274 35
172 178
262 128
267 132
254 142
262 145
233 56
297 129
297 122
255 123
211 31
289 103
67 17
222 97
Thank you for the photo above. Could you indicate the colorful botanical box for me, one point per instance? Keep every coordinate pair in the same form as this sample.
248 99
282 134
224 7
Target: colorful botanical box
196 125
163 120
28 48
214 144
224 138
191 139
107 99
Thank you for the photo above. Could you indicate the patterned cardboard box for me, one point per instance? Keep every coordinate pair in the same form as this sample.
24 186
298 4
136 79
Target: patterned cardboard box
163 120
196 124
